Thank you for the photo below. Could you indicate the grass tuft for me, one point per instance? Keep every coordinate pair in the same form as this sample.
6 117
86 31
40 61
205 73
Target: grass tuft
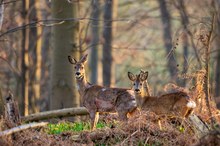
72 127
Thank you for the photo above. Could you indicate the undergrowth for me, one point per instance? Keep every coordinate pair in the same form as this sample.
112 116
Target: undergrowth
72 127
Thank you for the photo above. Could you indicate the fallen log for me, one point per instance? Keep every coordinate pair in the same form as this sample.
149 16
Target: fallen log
201 128
22 127
67 112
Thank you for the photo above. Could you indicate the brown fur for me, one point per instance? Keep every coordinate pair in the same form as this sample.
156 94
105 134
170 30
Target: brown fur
168 104
102 99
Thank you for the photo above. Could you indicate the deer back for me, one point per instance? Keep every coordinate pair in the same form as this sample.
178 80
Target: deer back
172 103
106 99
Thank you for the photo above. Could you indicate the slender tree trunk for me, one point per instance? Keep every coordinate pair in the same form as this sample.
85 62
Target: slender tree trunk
1 22
37 73
207 45
46 48
25 60
185 23
167 38
217 72
1 13
93 62
107 48
114 30
217 68
63 89
1 103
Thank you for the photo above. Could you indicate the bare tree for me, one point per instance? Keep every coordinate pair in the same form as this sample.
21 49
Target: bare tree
93 62
25 60
167 38
38 59
1 13
63 89
217 71
185 22
107 48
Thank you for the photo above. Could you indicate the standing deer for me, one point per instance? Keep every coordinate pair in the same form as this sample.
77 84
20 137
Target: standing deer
172 104
96 98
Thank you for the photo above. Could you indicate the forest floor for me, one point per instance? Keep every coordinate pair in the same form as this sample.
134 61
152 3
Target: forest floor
141 129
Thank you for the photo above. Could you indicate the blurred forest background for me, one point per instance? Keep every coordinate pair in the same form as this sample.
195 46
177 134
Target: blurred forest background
172 39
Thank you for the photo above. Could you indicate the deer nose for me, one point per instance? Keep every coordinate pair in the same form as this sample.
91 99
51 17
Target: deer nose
77 73
137 90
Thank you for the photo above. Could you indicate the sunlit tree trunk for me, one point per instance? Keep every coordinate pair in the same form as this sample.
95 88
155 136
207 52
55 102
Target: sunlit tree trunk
107 48
38 61
25 60
64 43
167 38
93 62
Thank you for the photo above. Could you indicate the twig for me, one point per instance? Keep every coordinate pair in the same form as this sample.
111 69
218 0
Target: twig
56 21
129 137
22 127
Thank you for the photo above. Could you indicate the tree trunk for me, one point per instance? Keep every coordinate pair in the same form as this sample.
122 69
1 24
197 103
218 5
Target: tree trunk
1 13
185 23
107 48
37 71
167 38
93 62
217 68
25 60
1 103
61 113
63 89
46 48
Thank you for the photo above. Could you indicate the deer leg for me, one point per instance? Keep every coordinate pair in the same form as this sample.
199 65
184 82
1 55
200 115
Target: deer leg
96 119
93 118
123 116
159 123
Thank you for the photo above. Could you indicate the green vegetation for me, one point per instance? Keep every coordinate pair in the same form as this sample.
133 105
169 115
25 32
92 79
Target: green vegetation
75 127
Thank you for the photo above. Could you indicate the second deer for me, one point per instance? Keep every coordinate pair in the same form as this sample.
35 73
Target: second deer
101 99
172 104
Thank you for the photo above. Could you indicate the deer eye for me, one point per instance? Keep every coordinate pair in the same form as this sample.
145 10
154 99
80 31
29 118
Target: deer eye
81 67
75 67
134 84
141 84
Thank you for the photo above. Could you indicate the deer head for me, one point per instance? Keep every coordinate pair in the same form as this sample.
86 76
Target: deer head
79 66
138 81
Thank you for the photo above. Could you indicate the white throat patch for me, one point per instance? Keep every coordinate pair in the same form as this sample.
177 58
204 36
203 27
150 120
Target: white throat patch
77 87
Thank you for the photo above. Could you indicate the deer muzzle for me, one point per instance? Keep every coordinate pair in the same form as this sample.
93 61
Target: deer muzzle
137 91
78 75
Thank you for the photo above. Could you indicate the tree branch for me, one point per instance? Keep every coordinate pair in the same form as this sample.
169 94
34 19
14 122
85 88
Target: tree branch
67 112
22 127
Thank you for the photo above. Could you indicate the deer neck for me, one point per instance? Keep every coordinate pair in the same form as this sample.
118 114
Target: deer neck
82 84
146 91
140 99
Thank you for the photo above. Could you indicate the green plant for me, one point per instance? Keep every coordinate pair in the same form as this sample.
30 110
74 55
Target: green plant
67 126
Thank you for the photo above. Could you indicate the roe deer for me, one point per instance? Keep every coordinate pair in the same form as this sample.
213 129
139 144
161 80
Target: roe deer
97 98
146 89
171 104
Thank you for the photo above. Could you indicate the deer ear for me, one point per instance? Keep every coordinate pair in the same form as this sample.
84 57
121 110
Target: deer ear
143 75
131 76
84 58
72 60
